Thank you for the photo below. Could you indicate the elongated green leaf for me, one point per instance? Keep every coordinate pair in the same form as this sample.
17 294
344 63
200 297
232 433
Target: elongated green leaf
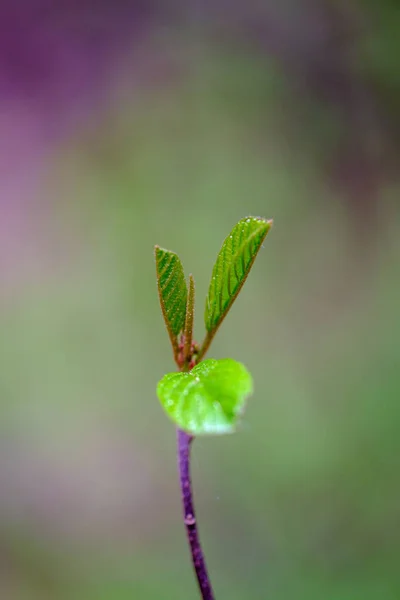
172 291
209 399
232 267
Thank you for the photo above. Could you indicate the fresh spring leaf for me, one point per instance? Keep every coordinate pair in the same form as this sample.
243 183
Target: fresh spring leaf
232 267
172 291
209 399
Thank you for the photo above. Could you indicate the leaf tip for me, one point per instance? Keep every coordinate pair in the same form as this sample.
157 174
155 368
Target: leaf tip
267 223
157 250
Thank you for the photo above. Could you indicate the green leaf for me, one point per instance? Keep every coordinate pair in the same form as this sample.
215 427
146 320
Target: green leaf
232 267
172 291
209 399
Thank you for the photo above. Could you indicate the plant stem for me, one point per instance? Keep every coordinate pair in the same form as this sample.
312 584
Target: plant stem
189 323
205 345
184 441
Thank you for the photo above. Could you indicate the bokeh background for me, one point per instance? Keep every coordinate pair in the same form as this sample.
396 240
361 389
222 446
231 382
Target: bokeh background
129 124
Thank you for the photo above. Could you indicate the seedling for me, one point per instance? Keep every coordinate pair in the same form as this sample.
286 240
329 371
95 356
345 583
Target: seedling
204 396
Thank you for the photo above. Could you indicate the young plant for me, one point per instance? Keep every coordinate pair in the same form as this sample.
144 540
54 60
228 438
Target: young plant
205 396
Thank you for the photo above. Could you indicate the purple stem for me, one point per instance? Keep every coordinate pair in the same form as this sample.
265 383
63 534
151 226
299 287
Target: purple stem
189 516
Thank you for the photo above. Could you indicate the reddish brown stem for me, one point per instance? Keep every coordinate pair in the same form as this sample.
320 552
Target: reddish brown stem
189 516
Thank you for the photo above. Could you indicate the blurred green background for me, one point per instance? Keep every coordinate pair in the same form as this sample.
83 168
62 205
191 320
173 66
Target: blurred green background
198 119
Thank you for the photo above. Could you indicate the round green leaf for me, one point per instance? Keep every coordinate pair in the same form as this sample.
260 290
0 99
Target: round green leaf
209 399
